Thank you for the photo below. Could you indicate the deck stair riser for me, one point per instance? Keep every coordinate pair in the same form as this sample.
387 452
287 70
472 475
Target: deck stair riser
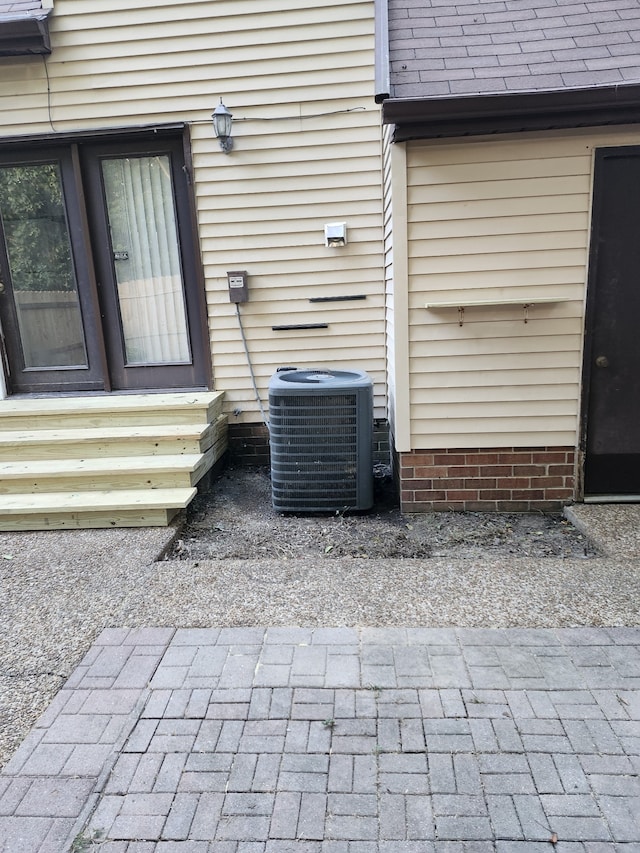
122 461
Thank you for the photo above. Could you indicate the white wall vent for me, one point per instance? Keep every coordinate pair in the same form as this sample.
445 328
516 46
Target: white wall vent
321 433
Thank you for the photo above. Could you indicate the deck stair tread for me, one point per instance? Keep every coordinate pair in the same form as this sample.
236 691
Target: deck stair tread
100 464
33 406
98 501
121 433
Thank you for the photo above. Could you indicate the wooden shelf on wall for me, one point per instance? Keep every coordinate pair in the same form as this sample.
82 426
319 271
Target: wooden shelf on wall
524 303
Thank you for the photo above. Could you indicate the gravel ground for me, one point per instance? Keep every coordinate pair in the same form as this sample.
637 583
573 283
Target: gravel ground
235 520
58 589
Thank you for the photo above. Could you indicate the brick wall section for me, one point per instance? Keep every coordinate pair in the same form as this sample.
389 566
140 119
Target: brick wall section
248 444
515 479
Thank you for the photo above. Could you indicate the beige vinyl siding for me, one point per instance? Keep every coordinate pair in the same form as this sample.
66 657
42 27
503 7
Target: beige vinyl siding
298 78
495 220
396 290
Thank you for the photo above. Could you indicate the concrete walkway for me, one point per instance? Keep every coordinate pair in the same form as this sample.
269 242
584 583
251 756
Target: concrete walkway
336 740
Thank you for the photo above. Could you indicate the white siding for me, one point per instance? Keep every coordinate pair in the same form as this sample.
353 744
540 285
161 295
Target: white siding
299 80
494 220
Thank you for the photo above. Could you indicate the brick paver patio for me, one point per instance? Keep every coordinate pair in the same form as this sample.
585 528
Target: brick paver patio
336 740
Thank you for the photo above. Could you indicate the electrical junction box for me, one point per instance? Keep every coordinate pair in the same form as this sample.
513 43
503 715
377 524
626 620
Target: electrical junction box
238 289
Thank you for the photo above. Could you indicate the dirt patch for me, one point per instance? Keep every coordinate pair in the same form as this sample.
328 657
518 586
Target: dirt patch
235 520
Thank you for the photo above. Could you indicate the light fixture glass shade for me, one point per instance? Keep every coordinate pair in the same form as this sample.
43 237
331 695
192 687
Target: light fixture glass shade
222 120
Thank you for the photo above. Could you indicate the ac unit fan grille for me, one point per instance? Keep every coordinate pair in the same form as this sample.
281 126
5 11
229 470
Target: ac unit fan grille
315 451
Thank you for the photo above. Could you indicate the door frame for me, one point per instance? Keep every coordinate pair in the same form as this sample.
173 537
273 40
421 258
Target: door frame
172 133
596 215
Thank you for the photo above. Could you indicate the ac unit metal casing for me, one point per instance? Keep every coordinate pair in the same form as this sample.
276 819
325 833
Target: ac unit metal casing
321 433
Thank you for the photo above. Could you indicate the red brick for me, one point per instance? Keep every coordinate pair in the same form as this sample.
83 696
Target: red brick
414 507
497 471
486 458
445 459
550 456
495 494
561 470
464 471
417 458
448 506
514 458
529 470
449 483
548 482
481 506
527 495
462 495
514 482
432 471
513 506
415 483
431 495
480 483
559 494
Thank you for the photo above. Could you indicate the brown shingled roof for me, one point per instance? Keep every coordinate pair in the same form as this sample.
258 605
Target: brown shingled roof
17 8
439 49
480 65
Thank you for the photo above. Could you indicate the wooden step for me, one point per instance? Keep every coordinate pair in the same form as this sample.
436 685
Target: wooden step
56 413
105 461
103 473
117 441
118 508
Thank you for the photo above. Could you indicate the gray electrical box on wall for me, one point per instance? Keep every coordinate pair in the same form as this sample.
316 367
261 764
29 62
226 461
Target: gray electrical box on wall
238 290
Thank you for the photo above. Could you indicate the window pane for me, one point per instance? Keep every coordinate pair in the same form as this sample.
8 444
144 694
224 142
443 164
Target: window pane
146 258
42 274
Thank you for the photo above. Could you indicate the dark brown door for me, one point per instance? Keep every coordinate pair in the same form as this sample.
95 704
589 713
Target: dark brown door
50 320
612 350
146 264
100 286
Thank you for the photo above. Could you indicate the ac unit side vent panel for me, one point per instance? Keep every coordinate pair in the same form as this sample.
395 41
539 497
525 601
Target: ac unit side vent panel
321 441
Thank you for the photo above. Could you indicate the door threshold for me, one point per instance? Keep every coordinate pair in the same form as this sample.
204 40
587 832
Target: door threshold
48 395
612 499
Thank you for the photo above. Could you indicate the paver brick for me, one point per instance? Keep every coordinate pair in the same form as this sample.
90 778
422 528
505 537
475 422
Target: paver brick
351 828
237 767
134 827
180 817
467 827
311 819
207 815
467 773
62 797
243 828
284 819
266 775
503 817
146 772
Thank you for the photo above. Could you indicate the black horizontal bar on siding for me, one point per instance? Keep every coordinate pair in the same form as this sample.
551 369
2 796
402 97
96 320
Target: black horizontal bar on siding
293 326
337 298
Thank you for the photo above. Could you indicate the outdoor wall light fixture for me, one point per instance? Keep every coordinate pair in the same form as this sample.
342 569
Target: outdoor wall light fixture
222 120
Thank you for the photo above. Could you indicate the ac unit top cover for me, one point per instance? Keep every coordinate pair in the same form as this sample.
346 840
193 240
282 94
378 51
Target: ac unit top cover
288 380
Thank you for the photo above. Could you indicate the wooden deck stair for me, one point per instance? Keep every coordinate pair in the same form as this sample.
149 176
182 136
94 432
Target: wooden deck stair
105 461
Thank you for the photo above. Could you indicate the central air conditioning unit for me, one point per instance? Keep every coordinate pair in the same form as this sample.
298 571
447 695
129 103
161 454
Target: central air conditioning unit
321 433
